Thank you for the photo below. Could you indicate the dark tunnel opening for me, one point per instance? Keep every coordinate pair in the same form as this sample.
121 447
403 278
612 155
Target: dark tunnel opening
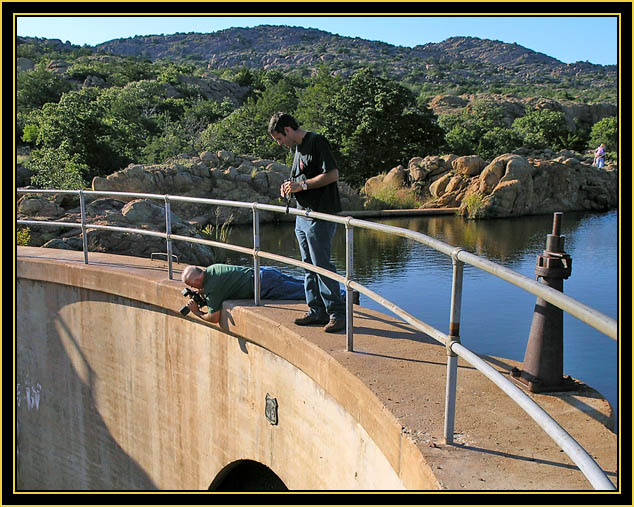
247 475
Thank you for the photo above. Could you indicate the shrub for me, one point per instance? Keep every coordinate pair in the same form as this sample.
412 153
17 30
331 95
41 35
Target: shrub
23 236
57 168
605 131
474 204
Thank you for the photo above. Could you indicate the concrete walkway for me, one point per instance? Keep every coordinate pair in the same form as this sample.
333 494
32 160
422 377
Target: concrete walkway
497 446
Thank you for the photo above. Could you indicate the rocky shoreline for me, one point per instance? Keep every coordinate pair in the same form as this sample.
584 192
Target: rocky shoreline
513 184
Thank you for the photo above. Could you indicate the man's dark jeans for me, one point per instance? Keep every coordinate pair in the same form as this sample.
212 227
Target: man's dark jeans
323 294
277 285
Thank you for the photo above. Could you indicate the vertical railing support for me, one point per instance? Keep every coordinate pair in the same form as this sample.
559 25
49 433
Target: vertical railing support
82 207
256 259
349 294
454 337
168 232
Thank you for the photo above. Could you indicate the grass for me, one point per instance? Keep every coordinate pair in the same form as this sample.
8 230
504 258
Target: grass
474 203
389 197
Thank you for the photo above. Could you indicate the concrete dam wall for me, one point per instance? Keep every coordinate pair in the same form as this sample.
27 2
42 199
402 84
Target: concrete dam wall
116 390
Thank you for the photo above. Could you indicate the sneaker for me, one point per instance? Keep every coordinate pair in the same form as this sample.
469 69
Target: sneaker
335 325
310 319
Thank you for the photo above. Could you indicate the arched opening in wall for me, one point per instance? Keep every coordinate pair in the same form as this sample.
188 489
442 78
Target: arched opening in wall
247 475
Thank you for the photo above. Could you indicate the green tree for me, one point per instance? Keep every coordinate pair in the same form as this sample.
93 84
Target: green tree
57 168
605 131
77 122
37 87
542 129
312 100
114 71
244 131
498 141
374 124
478 129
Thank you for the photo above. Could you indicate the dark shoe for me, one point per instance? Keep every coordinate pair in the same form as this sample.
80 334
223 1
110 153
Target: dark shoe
335 325
311 319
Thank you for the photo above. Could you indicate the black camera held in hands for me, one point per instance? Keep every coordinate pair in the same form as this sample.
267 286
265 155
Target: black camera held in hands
200 300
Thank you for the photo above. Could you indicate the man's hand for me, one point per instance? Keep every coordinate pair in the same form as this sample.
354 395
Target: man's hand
214 318
193 307
289 187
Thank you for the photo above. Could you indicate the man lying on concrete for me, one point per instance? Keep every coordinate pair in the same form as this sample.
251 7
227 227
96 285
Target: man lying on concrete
220 282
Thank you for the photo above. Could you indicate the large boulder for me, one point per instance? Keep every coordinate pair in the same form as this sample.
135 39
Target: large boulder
470 165
397 177
430 167
222 176
512 185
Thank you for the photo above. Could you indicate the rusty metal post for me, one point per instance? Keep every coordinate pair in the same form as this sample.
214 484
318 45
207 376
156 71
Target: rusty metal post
542 369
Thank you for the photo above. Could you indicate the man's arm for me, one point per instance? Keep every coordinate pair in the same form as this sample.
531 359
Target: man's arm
214 318
321 180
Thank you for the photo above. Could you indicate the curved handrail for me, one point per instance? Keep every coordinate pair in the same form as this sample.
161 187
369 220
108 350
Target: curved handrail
590 316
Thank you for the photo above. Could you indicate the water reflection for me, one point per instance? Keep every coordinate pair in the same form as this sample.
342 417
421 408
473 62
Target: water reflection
376 254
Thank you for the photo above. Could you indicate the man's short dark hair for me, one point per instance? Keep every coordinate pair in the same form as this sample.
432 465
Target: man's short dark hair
279 121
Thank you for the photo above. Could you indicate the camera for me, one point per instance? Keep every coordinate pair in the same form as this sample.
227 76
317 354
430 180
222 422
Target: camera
200 300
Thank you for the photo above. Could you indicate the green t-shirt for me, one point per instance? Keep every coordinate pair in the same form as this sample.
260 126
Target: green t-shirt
223 281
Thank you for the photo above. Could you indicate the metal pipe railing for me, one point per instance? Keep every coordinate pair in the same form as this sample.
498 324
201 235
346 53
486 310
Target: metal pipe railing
570 446
454 337
459 256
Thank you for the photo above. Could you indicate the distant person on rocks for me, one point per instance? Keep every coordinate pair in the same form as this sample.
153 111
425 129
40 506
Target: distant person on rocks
220 282
599 156
313 182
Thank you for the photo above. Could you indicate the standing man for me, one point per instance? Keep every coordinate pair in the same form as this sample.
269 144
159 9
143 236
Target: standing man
313 180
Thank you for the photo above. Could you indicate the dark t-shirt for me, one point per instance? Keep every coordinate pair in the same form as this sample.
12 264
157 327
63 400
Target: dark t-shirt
313 157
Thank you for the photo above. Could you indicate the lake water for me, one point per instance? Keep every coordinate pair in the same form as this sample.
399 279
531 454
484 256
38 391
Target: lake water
496 316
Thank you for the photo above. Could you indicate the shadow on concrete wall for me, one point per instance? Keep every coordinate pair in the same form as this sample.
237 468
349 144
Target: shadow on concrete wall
63 443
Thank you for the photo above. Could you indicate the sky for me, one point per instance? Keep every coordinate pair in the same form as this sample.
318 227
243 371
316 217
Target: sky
567 38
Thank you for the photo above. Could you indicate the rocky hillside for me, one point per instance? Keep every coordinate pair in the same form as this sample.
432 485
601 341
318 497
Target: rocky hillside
455 61
576 114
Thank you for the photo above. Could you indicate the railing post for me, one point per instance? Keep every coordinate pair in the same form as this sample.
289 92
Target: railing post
82 207
349 294
256 259
168 231
454 337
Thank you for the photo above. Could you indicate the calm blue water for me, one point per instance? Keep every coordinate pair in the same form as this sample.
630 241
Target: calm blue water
496 316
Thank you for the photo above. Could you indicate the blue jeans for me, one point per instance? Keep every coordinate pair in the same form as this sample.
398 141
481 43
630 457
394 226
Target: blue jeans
276 285
323 294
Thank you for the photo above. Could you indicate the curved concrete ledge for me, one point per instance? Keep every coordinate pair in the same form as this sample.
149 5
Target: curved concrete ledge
144 398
